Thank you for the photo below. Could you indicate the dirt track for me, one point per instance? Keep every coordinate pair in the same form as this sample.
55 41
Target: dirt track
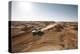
26 42
51 40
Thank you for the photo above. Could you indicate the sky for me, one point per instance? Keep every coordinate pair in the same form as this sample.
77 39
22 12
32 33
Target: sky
32 11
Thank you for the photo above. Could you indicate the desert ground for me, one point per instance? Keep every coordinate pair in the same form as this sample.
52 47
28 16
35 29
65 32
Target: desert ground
61 36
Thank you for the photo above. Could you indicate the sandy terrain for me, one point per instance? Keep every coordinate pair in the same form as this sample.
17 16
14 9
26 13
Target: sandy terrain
61 36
